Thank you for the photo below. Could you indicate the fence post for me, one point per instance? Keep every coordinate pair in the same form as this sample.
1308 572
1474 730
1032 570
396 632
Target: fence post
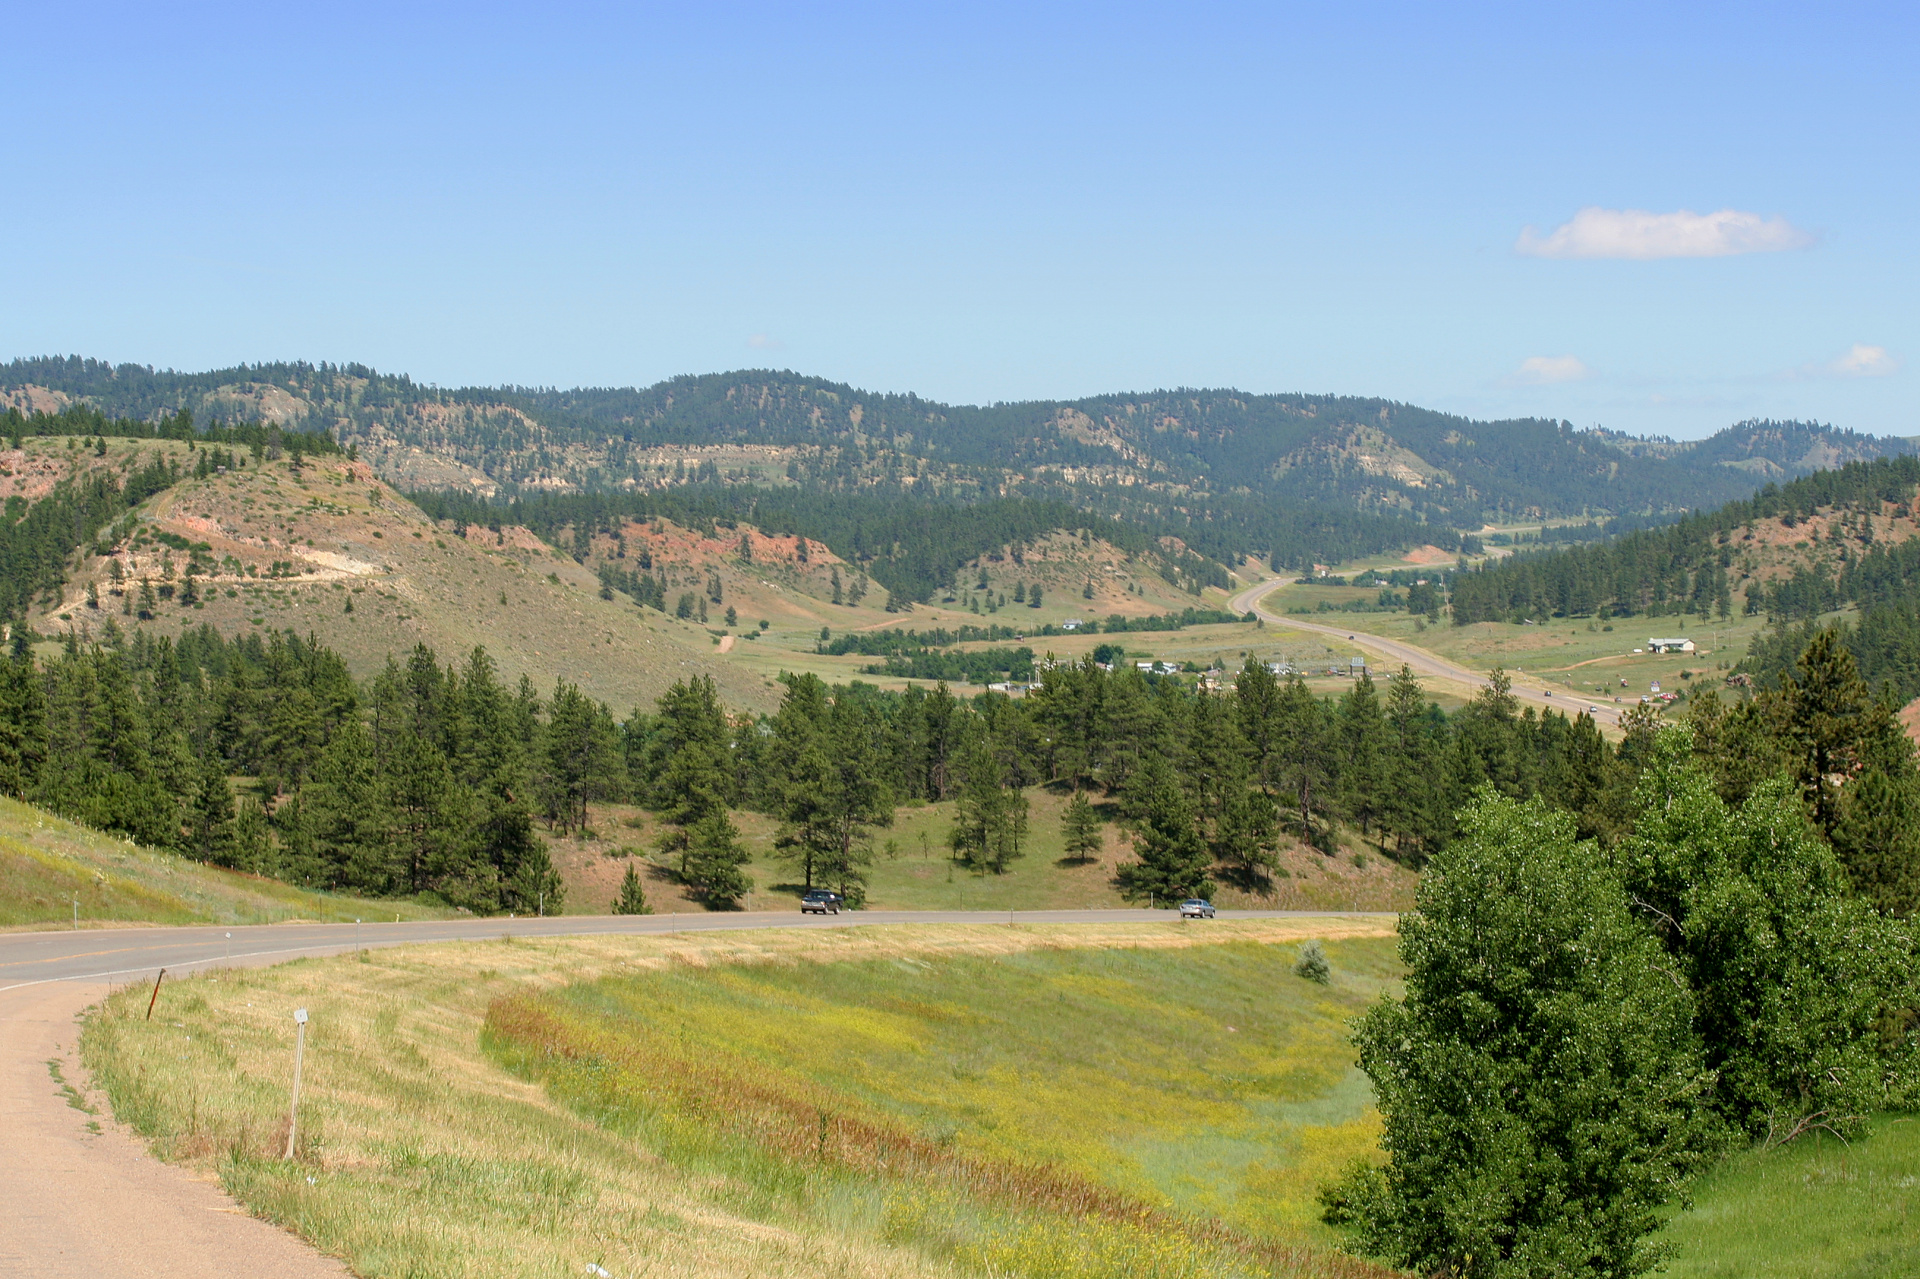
299 1051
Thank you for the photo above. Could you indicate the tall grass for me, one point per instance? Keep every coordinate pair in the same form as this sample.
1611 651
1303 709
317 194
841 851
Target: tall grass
420 1156
1074 1159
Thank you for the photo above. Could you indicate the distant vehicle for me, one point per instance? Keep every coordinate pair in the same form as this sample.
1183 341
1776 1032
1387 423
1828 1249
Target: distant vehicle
1546 692
1593 710
819 901
1196 908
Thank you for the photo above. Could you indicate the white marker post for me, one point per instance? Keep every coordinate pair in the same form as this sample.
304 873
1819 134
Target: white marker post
299 1051
229 948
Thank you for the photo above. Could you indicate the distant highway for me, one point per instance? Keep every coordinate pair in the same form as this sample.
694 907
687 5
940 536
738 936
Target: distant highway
1422 662
123 955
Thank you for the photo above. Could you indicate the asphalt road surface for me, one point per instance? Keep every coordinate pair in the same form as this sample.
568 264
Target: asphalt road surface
1422 662
79 1202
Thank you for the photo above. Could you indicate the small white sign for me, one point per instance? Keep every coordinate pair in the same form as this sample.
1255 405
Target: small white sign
300 1015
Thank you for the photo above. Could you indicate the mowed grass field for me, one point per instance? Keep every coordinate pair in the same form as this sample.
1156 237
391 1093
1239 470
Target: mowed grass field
1057 1101
47 862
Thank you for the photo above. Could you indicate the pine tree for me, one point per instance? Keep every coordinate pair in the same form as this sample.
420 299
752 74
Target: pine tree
347 819
1823 707
832 786
1408 809
213 817
1082 825
1173 858
1302 755
714 860
23 726
633 898
1246 835
1361 772
1877 833
990 821
687 762
581 760
253 839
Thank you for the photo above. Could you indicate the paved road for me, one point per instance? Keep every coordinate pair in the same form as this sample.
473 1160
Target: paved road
1420 661
78 1204
126 954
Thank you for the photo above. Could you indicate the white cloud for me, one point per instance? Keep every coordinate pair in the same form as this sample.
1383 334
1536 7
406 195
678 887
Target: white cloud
1864 361
761 342
1541 370
1635 233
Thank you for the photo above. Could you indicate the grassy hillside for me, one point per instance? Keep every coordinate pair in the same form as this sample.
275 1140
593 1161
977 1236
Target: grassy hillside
46 862
912 868
1818 1209
329 549
421 1154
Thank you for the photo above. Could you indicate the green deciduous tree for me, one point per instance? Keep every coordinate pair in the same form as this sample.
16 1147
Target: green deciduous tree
1793 973
1538 1081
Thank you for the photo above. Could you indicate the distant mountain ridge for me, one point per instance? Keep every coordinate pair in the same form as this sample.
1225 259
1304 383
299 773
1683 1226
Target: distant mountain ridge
1170 447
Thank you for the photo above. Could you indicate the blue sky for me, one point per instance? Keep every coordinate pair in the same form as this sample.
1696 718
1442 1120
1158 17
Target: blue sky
987 202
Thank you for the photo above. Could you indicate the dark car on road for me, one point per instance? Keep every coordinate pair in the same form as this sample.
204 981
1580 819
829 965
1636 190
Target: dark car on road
820 901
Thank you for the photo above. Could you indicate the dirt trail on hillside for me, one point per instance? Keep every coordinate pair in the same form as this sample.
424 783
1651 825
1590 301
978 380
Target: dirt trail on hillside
79 1205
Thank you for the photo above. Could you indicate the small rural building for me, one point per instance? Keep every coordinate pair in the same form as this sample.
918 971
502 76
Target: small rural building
1356 667
1669 646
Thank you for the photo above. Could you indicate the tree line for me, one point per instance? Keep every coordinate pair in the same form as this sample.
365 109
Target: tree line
428 780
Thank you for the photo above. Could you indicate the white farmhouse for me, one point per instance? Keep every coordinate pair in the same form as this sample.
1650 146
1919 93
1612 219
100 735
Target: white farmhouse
1669 646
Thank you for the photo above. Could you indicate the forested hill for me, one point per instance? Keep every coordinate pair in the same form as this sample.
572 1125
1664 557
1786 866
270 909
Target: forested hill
1114 453
1845 539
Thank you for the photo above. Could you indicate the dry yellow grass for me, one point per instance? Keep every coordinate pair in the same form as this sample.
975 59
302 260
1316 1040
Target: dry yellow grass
420 1156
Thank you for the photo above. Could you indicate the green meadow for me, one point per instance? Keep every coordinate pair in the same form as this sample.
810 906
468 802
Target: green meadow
1201 1092
1820 1208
